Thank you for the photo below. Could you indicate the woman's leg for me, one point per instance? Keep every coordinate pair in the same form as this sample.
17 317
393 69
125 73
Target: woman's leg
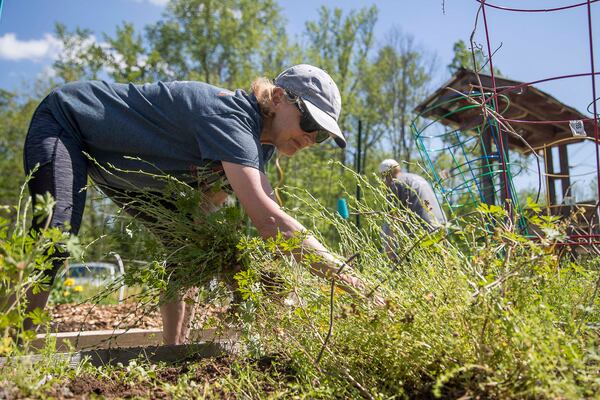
178 311
60 169
177 314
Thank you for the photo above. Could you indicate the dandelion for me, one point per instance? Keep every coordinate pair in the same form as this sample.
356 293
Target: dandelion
69 282
6 345
66 293
78 288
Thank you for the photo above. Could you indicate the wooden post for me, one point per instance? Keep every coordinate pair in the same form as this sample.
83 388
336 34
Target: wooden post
358 168
505 185
551 179
487 181
565 180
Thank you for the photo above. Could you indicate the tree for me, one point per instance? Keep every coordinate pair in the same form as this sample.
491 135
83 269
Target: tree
14 114
341 45
225 42
128 59
469 58
81 57
397 82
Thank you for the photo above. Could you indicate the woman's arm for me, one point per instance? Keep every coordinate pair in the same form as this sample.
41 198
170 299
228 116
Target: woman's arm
254 192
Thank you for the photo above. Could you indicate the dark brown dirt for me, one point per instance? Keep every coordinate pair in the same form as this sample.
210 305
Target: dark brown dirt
87 386
75 317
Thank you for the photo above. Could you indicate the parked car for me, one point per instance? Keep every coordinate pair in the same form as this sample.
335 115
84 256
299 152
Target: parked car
95 273
92 273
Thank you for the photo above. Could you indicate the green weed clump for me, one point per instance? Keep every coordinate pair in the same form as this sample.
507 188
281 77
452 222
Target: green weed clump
472 309
183 245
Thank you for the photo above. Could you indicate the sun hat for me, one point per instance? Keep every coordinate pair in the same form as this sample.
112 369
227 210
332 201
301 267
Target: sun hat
387 164
319 93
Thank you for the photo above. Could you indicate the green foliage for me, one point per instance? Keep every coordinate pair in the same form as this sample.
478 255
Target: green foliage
24 256
396 82
81 57
220 42
184 246
341 44
473 59
468 312
128 60
463 58
472 309
15 113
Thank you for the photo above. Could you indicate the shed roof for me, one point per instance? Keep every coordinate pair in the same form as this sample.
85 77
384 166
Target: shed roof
535 115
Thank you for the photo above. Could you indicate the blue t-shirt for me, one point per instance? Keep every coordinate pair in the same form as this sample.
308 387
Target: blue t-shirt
174 128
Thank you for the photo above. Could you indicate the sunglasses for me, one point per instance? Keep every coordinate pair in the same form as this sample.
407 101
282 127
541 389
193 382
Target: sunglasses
309 125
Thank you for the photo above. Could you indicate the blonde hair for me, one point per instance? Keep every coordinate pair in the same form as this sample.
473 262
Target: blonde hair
263 90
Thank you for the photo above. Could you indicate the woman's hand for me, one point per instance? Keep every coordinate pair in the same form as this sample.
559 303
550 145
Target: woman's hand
359 288
352 281
255 194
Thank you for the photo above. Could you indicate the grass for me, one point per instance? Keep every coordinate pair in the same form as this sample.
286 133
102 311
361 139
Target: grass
473 309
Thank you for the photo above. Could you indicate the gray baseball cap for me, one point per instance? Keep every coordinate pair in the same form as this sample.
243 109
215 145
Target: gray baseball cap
387 164
320 94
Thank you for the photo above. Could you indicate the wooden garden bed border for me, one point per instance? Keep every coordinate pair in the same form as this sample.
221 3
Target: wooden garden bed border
153 354
121 338
123 345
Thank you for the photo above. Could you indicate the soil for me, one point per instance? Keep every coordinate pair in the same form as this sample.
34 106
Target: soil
117 385
87 386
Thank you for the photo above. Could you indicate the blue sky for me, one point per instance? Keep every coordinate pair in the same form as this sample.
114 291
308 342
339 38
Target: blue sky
533 45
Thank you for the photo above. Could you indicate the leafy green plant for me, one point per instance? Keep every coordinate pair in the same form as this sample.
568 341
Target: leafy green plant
473 309
24 256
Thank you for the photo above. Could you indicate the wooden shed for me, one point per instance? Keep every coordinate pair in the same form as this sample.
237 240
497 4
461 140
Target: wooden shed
539 122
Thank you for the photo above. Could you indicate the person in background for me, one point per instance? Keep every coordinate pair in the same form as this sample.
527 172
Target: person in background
410 191
180 128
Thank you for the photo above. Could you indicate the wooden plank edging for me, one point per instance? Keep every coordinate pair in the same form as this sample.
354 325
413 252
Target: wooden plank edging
123 338
153 354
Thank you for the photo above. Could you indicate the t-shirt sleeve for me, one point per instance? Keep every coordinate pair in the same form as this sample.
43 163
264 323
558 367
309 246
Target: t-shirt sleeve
231 138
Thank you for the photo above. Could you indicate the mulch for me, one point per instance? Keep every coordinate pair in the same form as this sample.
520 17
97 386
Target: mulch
90 317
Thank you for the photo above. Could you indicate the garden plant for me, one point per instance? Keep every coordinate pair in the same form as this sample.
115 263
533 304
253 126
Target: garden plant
473 308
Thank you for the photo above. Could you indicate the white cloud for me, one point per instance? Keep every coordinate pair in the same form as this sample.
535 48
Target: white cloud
11 48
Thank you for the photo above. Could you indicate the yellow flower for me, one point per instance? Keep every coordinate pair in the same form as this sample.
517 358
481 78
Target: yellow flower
69 282
6 345
78 288
66 293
